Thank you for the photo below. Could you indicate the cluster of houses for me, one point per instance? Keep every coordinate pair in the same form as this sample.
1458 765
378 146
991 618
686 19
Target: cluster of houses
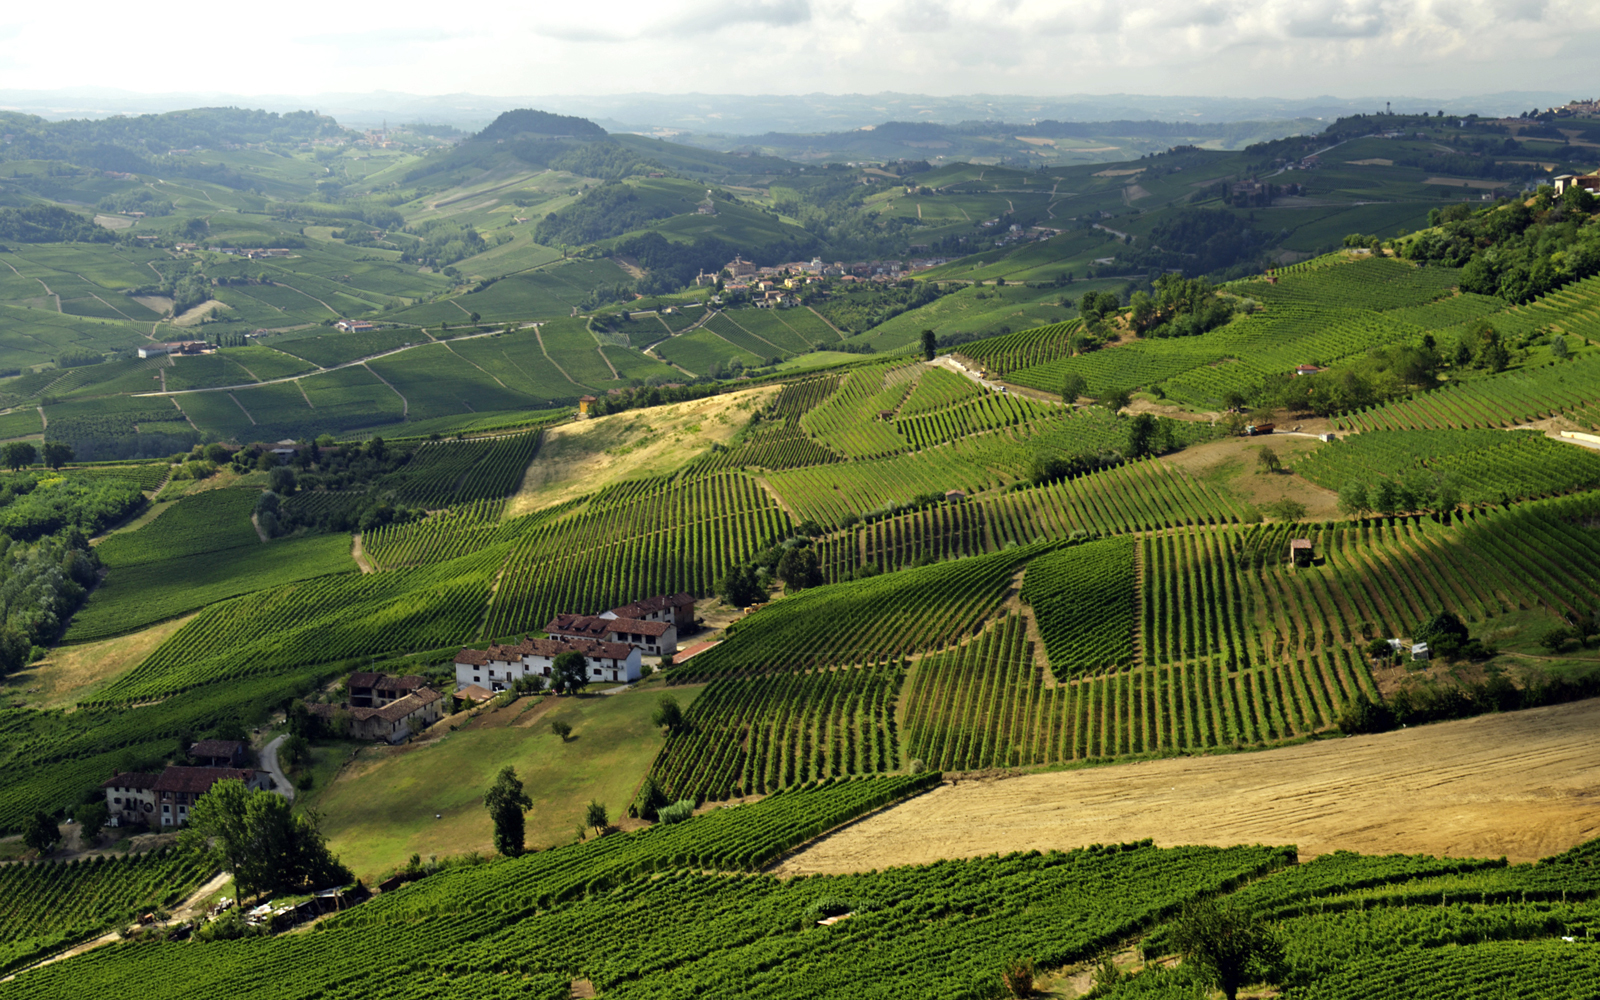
164 800
175 347
612 644
380 707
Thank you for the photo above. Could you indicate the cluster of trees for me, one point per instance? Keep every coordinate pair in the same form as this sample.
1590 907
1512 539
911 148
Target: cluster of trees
254 835
441 242
1198 241
50 224
1178 307
136 200
792 562
29 510
861 307
604 211
1515 250
1388 496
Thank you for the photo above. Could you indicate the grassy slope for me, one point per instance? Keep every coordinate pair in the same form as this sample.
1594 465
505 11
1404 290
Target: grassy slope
381 808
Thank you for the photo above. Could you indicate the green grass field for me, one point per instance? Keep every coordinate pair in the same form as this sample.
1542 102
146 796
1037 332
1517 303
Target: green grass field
382 807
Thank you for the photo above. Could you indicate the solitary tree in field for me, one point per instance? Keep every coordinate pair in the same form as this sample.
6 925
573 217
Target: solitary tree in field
930 346
1353 498
668 714
1229 944
506 802
595 816
1268 460
1072 386
1142 435
561 729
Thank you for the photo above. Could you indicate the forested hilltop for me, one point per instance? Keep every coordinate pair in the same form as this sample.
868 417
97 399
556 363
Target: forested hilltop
969 470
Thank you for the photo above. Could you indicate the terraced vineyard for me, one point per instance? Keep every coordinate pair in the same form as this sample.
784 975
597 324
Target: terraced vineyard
1023 349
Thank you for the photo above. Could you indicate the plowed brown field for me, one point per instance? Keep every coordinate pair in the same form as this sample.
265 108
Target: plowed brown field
1523 785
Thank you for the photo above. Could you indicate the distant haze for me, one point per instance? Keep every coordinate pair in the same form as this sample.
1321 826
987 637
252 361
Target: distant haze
1238 48
737 115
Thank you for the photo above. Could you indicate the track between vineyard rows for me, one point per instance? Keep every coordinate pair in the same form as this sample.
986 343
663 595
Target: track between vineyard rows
1521 784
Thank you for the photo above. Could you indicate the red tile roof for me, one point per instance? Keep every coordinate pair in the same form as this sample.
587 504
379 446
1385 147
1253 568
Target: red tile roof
595 627
544 647
130 779
638 609
197 779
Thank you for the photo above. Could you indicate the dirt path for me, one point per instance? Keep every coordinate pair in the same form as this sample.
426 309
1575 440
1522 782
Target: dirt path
545 351
359 554
1522 784
186 910
405 405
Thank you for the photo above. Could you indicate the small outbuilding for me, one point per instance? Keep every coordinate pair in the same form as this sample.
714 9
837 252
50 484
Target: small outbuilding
954 496
584 402
1419 651
1300 552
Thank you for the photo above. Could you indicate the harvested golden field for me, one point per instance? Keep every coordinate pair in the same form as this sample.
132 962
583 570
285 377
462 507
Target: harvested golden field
1524 785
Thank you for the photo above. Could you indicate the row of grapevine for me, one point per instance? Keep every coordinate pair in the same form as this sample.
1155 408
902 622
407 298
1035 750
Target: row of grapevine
1084 600
437 538
1483 466
759 734
1023 349
638 921
321 620
48 904
447 472
967 708
624 546
1497 401
848 421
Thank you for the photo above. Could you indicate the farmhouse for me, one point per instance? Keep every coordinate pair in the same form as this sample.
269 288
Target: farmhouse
133 799
354 326
394 722
1589 182
373 690
173 347
656 638
218 753
499 666
675 608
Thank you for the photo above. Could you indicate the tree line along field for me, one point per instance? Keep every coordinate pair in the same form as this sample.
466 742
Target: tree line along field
693 922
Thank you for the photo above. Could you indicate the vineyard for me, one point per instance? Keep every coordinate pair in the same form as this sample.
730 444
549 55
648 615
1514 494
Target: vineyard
1482 466
444 473
46 905
1083 599
1571 388
764 733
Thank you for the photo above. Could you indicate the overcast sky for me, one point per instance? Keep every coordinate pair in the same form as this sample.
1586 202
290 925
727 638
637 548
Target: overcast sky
1240 48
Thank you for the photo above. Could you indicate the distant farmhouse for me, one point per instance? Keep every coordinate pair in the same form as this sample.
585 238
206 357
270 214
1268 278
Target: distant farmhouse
385 708
165 799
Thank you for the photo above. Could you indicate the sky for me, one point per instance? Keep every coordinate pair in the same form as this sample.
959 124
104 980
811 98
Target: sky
1233 48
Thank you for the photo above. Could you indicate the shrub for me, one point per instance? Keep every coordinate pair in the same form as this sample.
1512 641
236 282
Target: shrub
677 812
1017 977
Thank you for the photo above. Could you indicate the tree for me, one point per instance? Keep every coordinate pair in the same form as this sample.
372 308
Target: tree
1228 944
254 835
930 345
569 672
41 833
1558 347
1116 400
595 816
739 588
1141 436
1268 460
506 802
57 454
1073 385
668 714
91 818
1353 498
17 454
282 481
799 569
561 729
1555 638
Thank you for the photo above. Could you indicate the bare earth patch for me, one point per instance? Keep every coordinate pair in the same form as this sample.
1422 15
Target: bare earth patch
1523 785
1230 465
197 315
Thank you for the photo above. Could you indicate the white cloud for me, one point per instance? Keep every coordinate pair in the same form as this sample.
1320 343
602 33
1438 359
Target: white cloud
1212 47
